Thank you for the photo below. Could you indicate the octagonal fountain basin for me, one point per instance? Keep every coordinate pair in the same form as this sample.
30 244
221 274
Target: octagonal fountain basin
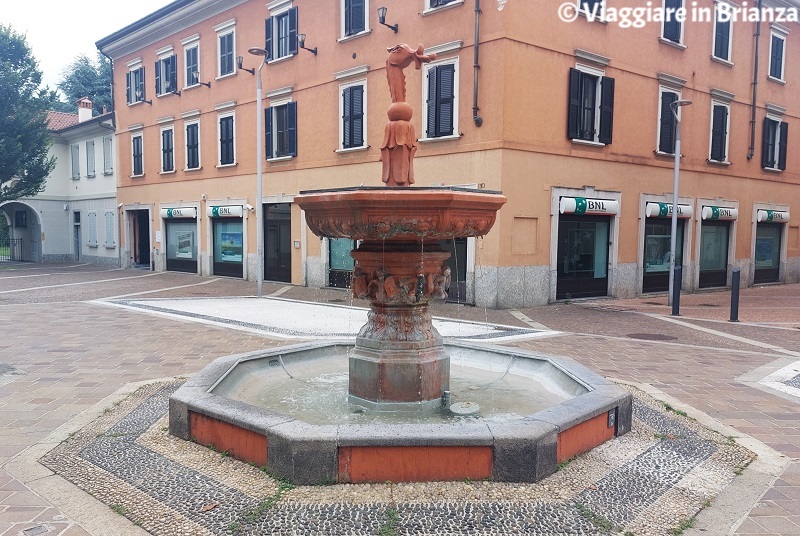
287 409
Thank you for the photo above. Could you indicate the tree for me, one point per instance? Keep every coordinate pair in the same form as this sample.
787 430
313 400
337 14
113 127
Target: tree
24 138
85 77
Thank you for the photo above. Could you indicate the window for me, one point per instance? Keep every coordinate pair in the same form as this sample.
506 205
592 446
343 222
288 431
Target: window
439 3
90 158
137 159
134 82
595 7
281 126
193 145
91 223
167 150
440 114
227 148
167 75
226 52
20 218
591 105
720 117
352 110
722 33
666 121
354 15
672 28
776 48
773 149
75 161
110 232
281 31
192 61
108 162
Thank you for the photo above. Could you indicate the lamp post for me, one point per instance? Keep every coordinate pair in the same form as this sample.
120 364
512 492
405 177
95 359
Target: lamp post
259 170
674 107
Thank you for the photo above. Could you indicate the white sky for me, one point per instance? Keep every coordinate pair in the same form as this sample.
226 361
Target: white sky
58 31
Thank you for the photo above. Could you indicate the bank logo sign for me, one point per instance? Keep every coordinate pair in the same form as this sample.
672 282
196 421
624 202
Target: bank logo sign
585 205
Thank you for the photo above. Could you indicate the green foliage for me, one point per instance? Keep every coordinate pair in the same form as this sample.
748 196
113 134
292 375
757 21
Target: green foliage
24 138
87 77
391 523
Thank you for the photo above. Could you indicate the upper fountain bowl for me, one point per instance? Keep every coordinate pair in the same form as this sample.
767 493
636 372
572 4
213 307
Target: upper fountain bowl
402 213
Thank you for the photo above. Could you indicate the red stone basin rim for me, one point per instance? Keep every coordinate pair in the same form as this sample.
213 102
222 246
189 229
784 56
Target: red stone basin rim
376 213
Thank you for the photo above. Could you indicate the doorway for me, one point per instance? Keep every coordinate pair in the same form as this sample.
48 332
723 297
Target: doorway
76 235
457 293
278 242
714 254
768 252
582 263
140 238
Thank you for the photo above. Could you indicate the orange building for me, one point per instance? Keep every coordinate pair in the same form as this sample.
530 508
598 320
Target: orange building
571 120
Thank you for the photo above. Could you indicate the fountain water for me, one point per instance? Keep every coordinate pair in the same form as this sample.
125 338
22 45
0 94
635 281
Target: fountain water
399 370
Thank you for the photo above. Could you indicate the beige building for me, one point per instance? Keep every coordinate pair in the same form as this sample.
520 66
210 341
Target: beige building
571 120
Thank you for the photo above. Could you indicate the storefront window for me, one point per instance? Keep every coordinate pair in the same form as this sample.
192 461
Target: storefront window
714 247
182 245
582 269
228 241
768 246
657 240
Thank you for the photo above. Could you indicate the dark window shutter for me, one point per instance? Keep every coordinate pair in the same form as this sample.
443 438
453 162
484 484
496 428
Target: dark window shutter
158 77
354 19
672 27
291 122
723 35
141 83
782 145
293 31
606 110
173 73
767 150
268 129
666 140
574 104
430 131
719 133
128 88
348 13
446 98
347 118
357 114
268 32
777 57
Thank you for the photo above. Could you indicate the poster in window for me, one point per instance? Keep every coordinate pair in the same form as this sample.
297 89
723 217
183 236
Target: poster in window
185 244
231 247
764 247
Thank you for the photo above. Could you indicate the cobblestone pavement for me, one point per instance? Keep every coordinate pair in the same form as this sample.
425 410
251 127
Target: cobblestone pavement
61 355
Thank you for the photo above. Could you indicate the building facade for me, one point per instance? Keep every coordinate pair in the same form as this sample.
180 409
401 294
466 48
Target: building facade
75 217
572 121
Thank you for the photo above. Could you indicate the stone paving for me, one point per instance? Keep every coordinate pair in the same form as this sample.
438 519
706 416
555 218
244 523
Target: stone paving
62 357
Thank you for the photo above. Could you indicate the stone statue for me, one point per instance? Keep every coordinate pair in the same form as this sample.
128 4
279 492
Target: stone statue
399 138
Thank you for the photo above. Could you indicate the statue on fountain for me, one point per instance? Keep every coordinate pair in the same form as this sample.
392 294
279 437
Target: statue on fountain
399 138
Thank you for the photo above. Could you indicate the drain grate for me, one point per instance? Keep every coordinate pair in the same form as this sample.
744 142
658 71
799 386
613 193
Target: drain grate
651 336
336 300
35 531
709 305
5 368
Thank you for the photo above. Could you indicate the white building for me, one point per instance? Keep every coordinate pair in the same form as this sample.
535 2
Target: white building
75 217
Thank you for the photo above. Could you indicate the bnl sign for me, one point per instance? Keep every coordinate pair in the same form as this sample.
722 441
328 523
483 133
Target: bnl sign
585 205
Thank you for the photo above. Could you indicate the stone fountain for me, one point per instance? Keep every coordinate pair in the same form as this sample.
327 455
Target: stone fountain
399 365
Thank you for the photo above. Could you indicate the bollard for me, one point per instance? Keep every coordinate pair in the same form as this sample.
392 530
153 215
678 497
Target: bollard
735 276
676 291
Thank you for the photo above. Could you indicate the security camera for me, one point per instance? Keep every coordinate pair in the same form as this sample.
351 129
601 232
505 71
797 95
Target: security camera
249 207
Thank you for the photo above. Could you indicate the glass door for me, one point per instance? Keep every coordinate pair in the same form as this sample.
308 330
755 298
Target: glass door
657 239
582 263
278 242
714 254
228 247
340 262
768 252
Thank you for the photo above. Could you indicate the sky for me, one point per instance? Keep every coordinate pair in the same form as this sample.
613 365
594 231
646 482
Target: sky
58 31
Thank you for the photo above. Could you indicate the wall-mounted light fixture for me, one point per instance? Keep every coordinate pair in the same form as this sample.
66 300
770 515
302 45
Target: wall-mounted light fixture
301 42
382 19
196 78
140 97
240 61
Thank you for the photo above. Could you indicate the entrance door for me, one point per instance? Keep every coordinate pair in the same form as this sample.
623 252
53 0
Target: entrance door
140 237
228 246
76 235
181 245
768 252
582 269
657 239
278 242
714 254
458 269
340 262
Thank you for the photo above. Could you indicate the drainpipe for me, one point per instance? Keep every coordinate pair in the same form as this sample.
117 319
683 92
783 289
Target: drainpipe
752 149
478 120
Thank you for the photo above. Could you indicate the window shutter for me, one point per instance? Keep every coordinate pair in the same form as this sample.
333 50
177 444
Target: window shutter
173 73
723 36
446 97
672 27
108 165
574 104
110 238
92 224
718 133
268 128
766 157
128 88
782 145
356 16
293 31
357 115
90 158
776 57
291 127
346 118
348 13
431 104
141 83
158 77
268 34
606 109
666 133
76 167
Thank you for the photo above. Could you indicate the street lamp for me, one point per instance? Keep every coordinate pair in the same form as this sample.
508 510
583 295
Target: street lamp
673 291
259 170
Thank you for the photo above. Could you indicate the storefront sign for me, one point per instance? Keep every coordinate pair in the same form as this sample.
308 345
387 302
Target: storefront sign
171 213
720 213
664 210
225 211
583 205
773 215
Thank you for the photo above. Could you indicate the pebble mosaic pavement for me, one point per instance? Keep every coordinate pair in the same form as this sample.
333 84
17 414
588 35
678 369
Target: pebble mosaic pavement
794 382
647 482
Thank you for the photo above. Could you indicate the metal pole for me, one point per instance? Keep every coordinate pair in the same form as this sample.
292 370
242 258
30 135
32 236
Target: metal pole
674 229
676 292
259 184
735 277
